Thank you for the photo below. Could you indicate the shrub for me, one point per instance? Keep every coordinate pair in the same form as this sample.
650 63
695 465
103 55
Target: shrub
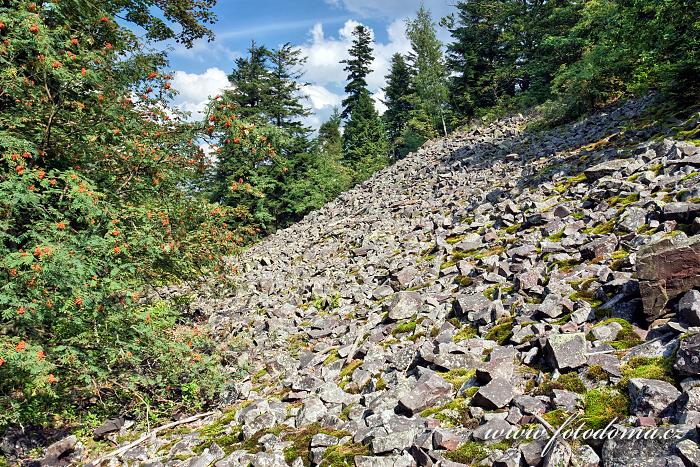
92 213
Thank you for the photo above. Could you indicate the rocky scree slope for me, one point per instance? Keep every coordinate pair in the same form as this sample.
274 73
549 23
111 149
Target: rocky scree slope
495 278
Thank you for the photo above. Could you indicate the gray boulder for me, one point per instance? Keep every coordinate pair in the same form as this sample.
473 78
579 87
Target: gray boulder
566 351
651 397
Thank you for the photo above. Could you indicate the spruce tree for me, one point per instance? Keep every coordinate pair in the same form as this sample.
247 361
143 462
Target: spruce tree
398 93
250 84
286 72
507 52
267 92
326 176
364 140
285 108
429 71
358 67
329 137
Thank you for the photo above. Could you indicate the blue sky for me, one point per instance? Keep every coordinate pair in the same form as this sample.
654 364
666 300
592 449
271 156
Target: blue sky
321 28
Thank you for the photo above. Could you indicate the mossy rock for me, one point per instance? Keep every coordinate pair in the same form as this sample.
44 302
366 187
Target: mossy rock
557 417
453 413
626 338
458 377
597 373
465 333
469 453
604 228
343 456
405 328
500 332
568 382
623 200
660 368
603 405
349 368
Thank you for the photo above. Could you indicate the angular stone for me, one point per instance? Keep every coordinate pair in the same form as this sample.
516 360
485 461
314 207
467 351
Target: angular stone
606 332
599 248
688 451
510 458
470 242
431 390
405 305
403 460
667 269
110 426
566 351
323 440
444 439
688 356
689 308
684 213
465 304
311 412
651 397
529 405
632 219
453 361
58 450
208 457
495 368
406 276
638 452
586 456
495 395
554 305
606 168
566 400
532 451
331 393
558 455
268 459
387 443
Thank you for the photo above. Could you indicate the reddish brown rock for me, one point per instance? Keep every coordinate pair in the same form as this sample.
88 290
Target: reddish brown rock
667 269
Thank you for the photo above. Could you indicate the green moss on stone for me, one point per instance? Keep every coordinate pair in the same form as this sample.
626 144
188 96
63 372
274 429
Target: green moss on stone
501 332
404 328
603 405
466 332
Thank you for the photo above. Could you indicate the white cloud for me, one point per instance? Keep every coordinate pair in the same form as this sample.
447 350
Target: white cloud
323 69
325 53
319 97
392 8
194 90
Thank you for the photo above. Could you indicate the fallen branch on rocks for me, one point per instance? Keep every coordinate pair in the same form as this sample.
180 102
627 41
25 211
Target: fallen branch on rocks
145 437
562 441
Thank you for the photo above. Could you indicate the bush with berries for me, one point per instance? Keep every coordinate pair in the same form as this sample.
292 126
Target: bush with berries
96 206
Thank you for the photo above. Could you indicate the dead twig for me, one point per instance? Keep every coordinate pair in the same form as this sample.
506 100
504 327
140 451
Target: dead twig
145 437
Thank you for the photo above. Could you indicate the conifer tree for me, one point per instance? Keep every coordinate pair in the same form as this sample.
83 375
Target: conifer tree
429 71
330 140
285 107
250 84
325 176
398 93
266 91
472 56
364 140
358 67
